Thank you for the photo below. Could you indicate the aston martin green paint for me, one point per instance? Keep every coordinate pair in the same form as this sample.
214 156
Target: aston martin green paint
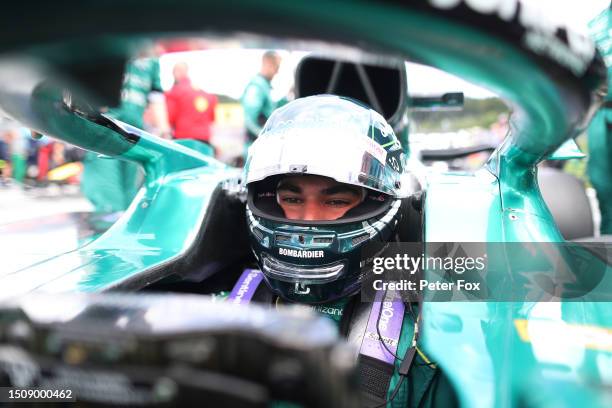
517 352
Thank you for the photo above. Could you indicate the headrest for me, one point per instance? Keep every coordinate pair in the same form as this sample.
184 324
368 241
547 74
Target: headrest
383 88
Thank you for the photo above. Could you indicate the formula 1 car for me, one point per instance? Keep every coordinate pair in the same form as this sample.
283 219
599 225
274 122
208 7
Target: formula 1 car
187 222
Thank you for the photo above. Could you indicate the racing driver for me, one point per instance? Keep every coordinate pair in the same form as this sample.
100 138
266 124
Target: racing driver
323 181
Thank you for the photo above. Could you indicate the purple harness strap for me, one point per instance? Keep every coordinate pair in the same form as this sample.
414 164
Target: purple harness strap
389 324
245 288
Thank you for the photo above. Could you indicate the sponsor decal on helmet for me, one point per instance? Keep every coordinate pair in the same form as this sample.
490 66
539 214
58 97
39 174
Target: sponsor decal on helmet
375 149
299 253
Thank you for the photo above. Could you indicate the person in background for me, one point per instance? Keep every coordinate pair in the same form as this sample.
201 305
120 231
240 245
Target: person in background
111 184
17 143
191 111
256 99
5 162
20 153
45 149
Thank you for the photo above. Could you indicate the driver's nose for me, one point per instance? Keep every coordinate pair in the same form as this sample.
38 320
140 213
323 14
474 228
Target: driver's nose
313 211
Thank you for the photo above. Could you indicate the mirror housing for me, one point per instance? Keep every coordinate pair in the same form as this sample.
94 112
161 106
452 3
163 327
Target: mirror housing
447 101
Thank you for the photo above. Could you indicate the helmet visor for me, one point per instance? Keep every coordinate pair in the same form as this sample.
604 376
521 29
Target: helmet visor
343 154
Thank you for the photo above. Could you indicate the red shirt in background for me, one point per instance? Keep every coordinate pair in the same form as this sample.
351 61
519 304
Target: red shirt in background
190 111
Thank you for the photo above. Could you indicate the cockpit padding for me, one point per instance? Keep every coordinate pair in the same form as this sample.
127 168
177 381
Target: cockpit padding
221 245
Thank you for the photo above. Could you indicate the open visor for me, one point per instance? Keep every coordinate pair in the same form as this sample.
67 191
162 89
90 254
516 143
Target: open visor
262 201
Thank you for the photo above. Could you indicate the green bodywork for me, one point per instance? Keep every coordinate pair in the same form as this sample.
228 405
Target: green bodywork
478 344
568 150
600 130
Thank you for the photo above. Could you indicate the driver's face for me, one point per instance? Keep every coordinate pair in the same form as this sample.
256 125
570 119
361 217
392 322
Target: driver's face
316 198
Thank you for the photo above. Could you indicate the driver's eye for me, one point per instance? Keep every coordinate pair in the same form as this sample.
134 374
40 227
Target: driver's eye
291 200
337 203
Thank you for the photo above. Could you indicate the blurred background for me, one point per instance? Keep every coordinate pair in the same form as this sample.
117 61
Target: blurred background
41 177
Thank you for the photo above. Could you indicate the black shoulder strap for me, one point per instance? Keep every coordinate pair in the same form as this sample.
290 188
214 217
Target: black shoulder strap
374 379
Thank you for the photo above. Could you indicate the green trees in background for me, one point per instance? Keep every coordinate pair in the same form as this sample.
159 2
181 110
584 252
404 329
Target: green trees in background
475 113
